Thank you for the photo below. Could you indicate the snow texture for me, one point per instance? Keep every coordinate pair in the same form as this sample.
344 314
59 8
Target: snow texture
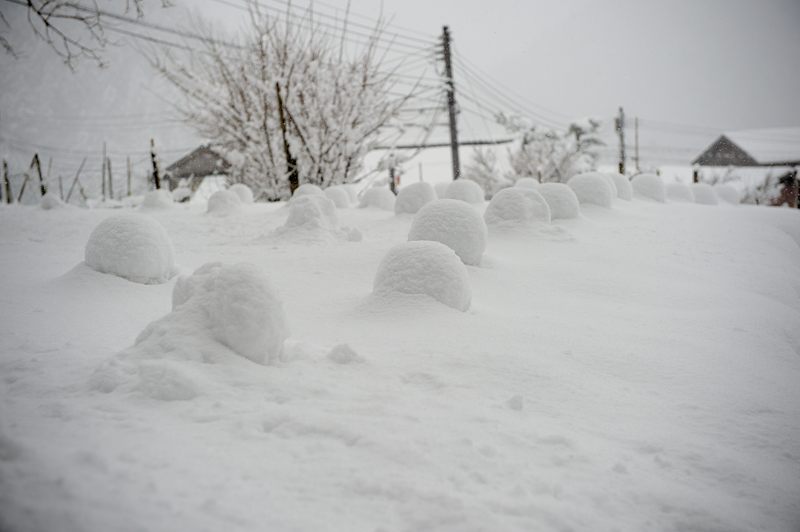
623 185
727 193
312 211
593 188
455 224
51 201
679 192
134 247
561 199
527 182
307 189
425 267
704 194
378 197
465 190
339 196
244 192
517 207
157 199
223 203
649 186
413 197
441 188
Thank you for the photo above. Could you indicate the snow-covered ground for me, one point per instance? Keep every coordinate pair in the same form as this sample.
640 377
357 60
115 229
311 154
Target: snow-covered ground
636 368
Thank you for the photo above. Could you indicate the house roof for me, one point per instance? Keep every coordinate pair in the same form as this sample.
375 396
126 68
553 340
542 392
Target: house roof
200 162
769 146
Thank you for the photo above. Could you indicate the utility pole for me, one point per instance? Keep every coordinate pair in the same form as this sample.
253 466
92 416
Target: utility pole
6 183
110 179
154 161
636 142
620 126
451 103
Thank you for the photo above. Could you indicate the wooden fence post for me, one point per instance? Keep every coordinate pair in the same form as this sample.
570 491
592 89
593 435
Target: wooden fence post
6 183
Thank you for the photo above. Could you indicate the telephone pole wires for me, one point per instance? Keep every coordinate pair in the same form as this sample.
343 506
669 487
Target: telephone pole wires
451 103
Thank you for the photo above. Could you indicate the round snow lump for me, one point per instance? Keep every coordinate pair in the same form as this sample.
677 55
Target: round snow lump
727 193
312 211
592 188
239 306
223 202
517 206
157 199
51 201
465 190
623 185
338 195
307 189
527 182
704 194
679 192
131 246
454 224
561 199
425 267
412 197
243 191
649 186
379 197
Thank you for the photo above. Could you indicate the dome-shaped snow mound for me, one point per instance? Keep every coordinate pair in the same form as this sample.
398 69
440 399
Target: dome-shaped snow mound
307 189
592 188
51 201
312 211
623 186
134 247
378 197
465 190
425 267
516 207
704 194
157 199
679 192
649 186
527 182
223 202
561 199
339 196
727 193
413 197
441 189
453 223
243 191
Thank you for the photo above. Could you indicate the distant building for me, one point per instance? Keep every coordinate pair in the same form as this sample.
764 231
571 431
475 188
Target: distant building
788 191
196 166
755 147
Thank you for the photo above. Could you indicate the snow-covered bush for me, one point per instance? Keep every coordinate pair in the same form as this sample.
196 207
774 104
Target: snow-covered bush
425 267
51 201
243 191
679 192
516 207
623 186
134 247
465 190
223 202
453 223
441 188
157 199
527 182
704 194
561 199
727 193
378 197
592 188
483 169
307 189
412 197
182 192
312 211
339 196
649 186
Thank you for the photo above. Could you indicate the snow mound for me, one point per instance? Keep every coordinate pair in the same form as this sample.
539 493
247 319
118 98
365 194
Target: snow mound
182 193
592 188
243 191
453 223
307 189
561 199
679 192
413 197
339 196
223 202
527 182
465 190
425 267
623 186
134 247
344 354
157 199
51 201
704 194
728 194
378 197
312 211
441 188
515 207
649 186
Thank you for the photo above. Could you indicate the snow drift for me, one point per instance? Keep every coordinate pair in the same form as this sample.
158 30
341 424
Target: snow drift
413 197
516 207
455 224
223 203
561 199
593 188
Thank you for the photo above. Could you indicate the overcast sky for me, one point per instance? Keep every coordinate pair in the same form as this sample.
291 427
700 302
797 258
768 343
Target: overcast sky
689 69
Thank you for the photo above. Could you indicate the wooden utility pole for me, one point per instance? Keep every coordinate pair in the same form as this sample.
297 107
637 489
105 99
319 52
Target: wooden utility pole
103 173
291 162
128 169
36 164
6 183
620 126
110 179
451 103
636 142
154 161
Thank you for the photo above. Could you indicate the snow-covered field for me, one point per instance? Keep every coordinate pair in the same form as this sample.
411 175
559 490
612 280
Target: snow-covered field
636 368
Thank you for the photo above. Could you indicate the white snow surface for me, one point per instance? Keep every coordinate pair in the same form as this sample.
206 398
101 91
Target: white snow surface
134 247
727 193
243 191
455 224
679 192
561 199
640 375
517 207
159 198
527 182
704 194
465 190
441 188
649 186
51 201
307 189
593 188
312 210
413 197
378 197
223 203
427 268
339 196
622 185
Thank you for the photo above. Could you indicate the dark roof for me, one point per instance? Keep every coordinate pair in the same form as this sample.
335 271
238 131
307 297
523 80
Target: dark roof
754 147
201 162
724 152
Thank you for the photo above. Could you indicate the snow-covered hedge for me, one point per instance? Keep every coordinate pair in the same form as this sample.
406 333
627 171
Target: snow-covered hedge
455 224
135 247
307 189
623 186
516 207
649 186
704 194
679 192
728 194
338 195
413 197
527 182
243 191
465 190
312 211
593 188
378 197
223 202
561 199
159 198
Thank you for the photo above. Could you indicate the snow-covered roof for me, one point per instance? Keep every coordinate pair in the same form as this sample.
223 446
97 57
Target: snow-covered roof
775 145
